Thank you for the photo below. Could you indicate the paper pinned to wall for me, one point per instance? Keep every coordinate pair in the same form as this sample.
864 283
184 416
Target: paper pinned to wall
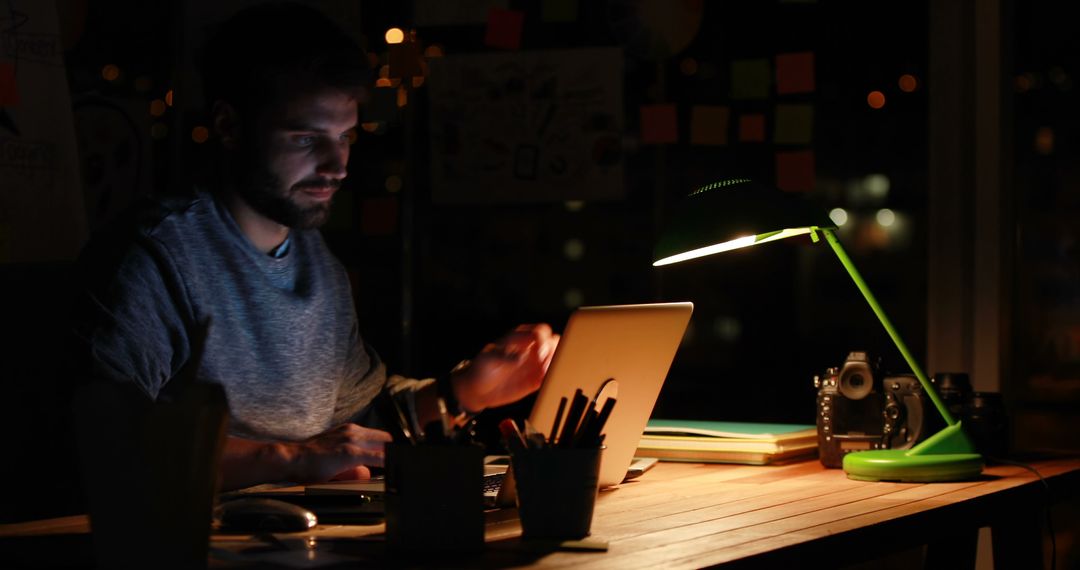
41 201
526 127
794 124
659 124
709 124
9 88
554 11
752 127
504 29
750 78
795 73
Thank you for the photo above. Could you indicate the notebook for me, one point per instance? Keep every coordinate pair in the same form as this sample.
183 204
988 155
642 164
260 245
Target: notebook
625 349
727 442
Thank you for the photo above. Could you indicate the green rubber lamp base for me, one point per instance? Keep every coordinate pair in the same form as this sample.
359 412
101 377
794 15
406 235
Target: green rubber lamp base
948 455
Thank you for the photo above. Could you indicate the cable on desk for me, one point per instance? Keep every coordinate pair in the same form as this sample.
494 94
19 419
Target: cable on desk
1049 518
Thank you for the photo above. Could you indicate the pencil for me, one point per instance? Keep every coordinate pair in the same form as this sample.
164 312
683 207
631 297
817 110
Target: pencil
558 418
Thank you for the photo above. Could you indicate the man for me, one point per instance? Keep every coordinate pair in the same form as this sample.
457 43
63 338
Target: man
246 257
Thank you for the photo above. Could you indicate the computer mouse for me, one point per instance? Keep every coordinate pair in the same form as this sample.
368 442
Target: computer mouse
254 515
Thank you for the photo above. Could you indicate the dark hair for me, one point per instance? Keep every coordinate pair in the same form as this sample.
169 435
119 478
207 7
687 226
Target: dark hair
268 53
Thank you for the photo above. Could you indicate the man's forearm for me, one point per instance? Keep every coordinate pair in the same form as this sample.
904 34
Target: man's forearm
246 462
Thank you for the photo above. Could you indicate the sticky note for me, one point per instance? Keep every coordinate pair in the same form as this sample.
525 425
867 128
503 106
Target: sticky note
795 73
709 124
9 89
659 124
794 124
752 127
553 11
795 170
504 28
750 78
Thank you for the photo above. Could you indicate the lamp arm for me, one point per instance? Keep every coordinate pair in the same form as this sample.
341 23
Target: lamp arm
846 262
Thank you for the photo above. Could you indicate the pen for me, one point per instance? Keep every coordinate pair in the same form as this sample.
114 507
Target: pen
601 419
558 418
573 416
403 422
581 437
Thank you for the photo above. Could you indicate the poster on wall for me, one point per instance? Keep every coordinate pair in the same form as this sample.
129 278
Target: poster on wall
42 217
526 127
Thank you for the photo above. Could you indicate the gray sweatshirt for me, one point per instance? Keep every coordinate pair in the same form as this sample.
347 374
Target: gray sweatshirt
283 338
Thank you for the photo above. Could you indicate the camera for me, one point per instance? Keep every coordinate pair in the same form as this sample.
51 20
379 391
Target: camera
860 408
981 414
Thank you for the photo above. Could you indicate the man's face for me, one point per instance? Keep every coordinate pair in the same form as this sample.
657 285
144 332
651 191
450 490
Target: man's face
295 161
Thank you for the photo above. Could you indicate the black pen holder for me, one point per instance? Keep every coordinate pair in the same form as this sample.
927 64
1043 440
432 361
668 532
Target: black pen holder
434 498
556 490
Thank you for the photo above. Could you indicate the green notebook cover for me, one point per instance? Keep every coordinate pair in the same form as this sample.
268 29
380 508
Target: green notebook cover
730 430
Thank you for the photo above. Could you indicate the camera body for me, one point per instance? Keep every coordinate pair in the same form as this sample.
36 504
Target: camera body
861 408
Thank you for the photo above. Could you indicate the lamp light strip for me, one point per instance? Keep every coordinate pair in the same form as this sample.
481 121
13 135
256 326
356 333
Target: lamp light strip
730 245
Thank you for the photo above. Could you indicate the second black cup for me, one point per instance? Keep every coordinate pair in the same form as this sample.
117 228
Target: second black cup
556 490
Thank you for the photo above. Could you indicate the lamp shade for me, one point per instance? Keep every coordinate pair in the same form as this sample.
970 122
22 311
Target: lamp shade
734 209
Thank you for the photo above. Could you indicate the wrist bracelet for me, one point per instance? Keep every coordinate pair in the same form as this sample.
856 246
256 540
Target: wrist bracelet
445 388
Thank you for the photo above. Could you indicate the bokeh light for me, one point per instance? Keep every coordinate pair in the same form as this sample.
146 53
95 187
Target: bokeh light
393 183
1044 140
110 72
200 134
885 217
688 66
876 99
574 249
395 36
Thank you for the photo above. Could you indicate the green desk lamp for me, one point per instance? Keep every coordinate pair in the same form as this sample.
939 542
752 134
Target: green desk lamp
736 213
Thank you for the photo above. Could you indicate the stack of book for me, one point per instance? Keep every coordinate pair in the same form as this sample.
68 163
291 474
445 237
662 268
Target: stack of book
727 442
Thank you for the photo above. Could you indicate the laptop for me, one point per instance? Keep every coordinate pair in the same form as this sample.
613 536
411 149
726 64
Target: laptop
618 351
613 351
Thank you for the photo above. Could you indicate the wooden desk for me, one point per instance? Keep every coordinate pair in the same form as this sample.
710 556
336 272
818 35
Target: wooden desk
693 515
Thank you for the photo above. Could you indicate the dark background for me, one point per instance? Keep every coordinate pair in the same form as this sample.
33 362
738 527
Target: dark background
435 281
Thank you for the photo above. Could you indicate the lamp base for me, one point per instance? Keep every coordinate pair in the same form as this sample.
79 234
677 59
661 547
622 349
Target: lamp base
948 455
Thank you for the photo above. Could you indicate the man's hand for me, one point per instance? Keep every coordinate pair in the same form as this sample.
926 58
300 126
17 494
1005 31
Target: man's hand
506 370
343 452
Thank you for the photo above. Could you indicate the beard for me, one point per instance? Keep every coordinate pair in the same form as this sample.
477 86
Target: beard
266 193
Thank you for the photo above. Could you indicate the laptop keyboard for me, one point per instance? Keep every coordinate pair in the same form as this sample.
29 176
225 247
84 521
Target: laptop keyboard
492 482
